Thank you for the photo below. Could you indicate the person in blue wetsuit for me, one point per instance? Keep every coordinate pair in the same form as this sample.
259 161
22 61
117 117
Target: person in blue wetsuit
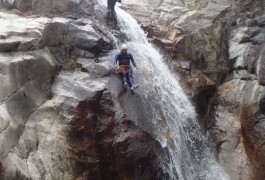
122 63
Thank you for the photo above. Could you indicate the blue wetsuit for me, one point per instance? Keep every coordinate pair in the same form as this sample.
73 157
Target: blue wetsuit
125 59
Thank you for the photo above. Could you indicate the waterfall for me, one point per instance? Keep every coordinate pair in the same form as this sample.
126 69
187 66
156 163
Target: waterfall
161 107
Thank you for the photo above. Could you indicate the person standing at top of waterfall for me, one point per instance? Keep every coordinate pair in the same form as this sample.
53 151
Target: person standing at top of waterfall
111 11
122 63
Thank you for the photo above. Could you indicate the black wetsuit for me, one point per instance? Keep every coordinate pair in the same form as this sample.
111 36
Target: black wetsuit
111 4
111 11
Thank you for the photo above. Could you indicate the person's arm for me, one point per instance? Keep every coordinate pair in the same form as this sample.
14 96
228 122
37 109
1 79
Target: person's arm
116 59
133 61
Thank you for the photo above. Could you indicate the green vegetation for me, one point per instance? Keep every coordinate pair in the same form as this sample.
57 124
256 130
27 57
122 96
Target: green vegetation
72 64
69 52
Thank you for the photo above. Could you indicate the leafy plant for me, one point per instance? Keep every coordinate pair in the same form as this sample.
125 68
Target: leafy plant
72 64
69 51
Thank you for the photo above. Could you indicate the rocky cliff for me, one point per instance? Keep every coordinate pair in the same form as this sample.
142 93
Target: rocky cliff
60 114
217 47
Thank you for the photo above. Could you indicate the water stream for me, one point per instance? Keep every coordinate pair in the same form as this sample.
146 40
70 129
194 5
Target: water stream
161 107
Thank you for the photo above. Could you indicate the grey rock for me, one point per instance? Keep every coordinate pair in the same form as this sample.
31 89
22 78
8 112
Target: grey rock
95 69
8 3
229 143
260 20
261 67
63 33
49 126
23 5
49 138
54 34
39 144
72 86
22 68
24 38
84 53
29 78
42 7
237 109
224 40
88 42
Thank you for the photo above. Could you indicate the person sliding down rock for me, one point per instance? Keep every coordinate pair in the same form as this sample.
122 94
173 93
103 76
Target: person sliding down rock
122 63
111 11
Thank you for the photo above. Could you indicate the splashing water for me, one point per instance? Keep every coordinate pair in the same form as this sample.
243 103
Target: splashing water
168 114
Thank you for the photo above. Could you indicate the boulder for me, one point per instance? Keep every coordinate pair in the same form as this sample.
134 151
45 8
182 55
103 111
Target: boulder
26 37
95 67
42 7
238 128
42 148
226 130
29 68
131 153
79 134
173 31
62 32
27 79
23 5
261 67
7 3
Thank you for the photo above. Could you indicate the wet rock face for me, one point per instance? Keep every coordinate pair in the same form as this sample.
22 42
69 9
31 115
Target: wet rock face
27 72
193 32
65 124
236 120
226 130
25 38
43 148
41 7
26 76
131 153
203 46
224 42
240 100
246 50
238 128
73 36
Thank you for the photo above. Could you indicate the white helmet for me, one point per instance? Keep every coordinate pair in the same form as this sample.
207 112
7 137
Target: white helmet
124 46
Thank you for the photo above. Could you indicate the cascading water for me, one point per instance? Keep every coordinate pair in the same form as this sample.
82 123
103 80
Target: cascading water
168 115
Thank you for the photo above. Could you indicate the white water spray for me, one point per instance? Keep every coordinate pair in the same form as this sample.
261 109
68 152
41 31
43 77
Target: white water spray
169 115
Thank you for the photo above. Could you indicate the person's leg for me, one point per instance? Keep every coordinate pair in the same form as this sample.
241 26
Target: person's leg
123 78
114 16
133 86
108 15
130 77
126 82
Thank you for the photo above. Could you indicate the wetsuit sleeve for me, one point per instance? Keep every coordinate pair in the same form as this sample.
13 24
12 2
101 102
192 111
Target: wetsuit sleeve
116 59
133 61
